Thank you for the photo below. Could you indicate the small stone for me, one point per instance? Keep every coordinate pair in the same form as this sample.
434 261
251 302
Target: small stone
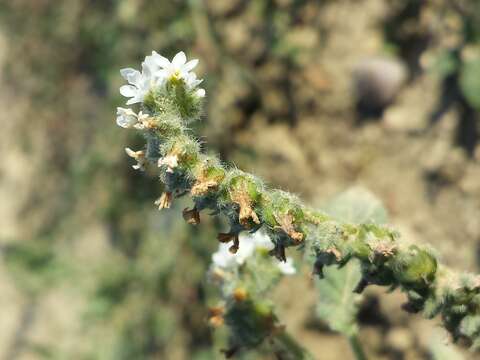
377 81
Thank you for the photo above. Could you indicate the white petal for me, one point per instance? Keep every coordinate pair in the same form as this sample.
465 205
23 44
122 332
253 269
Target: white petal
142 116
262 240
125 112
130 152
127 72
149 66
128 90
194 83
161 74
122 122
223 257
190 65
161 61
245 250
200 93
134 100
131 75
287 267
147 72
126 118
179 59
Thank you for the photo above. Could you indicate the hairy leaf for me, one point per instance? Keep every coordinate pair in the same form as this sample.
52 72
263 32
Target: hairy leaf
470 82
357 206
338 304
440 350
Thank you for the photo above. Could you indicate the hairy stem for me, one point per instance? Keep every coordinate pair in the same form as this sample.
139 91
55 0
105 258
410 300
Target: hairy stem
356 347
290 349
248 205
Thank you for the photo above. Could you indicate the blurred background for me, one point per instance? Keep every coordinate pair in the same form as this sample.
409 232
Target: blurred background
314 96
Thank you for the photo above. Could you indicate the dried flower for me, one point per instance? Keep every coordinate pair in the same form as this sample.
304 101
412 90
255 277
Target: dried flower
139 156
164 201
203 187
170 161
286 223
191 216
240 294
216 314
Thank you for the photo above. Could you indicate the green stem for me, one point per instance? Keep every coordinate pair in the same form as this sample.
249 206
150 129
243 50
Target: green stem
356 347
248 204
289 348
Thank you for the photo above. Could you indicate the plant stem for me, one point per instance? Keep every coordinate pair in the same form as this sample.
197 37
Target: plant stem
248 204
356 347
288 348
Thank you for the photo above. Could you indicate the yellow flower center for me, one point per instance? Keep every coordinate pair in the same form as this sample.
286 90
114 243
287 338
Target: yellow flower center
175 76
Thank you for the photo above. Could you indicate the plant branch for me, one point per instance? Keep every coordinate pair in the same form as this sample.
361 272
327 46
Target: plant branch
249 204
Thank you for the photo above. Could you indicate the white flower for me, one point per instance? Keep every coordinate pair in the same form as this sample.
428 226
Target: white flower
170 161
156 70
140 83
287 267
191 81
262 241
126 118
139 156
142 121
142 116
223 258
177 69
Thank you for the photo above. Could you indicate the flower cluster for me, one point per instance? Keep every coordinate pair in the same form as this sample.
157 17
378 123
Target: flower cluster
157 72
158 76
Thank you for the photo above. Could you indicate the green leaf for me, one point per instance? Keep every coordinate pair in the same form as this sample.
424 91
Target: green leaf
445 64
441 350
338 304
470 82
357 205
